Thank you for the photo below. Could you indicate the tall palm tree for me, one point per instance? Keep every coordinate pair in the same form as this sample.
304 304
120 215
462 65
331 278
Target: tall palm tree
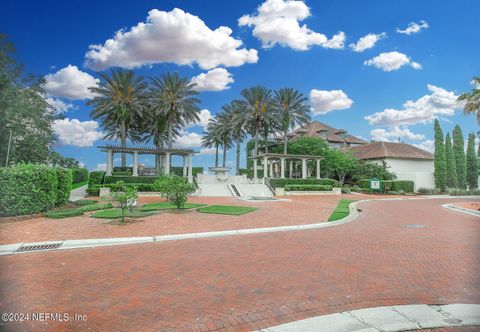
118 104
253 107
238 132
223 131
291 106
211 139
174 96
472 99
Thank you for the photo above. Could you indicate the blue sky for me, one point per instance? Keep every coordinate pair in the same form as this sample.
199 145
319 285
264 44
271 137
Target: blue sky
362 89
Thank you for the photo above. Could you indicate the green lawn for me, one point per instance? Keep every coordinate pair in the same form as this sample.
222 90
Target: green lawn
168 205
341 211
77 211
226 209
117 213
78 185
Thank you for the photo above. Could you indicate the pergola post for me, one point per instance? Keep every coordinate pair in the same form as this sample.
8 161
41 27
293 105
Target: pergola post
190 173
271 168
109 162
318 168
255 175
185 165
167 163
290 170
135 164
304 168
282 168
265 167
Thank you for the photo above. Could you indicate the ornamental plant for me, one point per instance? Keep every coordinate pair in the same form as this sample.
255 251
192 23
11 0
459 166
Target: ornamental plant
472 163
125 198
460 160
439 158
175 188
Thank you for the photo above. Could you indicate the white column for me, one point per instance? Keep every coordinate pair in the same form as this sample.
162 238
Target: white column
190 172
318 168
255 175
282 168
167 163
185 158
304 168
135 163
271 168
109 162
290 171
265 167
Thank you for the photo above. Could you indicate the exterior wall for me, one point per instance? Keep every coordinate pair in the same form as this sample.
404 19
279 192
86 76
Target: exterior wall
420 171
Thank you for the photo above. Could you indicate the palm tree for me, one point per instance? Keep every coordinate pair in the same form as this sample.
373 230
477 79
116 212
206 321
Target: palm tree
256 102
290 104
174 96
237 130
211 139
223 131
472 99
118 104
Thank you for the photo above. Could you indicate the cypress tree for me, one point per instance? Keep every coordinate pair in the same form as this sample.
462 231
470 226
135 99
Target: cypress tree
472 163
459 153
439 161
452 181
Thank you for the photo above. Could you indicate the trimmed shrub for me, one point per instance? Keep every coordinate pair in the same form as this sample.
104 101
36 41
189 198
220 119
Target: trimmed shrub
79 175
284 182
129 179
389 185
63 214
122 169
365 184
248 172
96 177
64 185
175 188
179 170
82 202
27 189
308 187
93 190
122 173
406 186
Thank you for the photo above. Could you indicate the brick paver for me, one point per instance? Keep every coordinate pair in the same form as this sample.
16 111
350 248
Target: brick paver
254 281
475 206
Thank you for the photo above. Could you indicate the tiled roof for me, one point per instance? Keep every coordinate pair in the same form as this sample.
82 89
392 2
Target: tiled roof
379 150
322 130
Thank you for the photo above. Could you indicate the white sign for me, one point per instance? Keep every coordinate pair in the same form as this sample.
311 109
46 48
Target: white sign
375 184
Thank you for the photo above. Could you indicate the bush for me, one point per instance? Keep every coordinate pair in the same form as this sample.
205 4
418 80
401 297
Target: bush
248 172
175 188
79 175
179 170
402 185
64 185
392 193
27 189
389 185
122 173
125 198
82 202
457 192
96 177
63 214
283 182
129 179
128 170
308 187
93 190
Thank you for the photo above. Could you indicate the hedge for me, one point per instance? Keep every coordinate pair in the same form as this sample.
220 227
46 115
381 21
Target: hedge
95 189
179 170
390 185
64 185
96 177
248 172
27 189
79 175
283 182
308 187
129 179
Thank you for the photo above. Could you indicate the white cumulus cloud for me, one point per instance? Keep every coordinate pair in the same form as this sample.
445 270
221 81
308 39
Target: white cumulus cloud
207 151
217 79
173 37
367 41
413 28
395 133
278 22
77 133
390 61
58 106
188 140
71 83
439 102
323 101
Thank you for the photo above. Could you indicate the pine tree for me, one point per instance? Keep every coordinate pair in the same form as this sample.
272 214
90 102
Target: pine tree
452 181
472 163
439 162
459 153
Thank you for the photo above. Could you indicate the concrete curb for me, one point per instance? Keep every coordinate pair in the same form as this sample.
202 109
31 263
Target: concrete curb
461 210
392 318
10 249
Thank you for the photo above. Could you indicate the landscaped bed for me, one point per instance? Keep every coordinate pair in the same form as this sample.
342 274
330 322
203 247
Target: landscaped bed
168 206
227 209
342 210
117 213
76 209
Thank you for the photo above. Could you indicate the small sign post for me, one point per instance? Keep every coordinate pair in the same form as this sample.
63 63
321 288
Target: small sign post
375 184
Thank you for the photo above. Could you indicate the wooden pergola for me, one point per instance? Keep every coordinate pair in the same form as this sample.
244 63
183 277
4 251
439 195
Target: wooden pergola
166 155
282 158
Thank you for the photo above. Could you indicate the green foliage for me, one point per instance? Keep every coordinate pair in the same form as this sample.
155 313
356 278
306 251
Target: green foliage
248 172
66 213
341 211
93 190
27 189
389 185
120 169
56 159
340 162
82 202
178 170
312 146
64 185
459 153
369 169
427 191
168 205
452 181
130 179
284 182
124 198
175 188
472 99
439 158
122 173
226 209
308 187
472 163
96 177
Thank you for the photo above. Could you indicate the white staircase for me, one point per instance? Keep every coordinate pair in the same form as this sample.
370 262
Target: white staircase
238 186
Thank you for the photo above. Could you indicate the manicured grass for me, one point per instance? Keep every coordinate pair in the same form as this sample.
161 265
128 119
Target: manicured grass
78 185
168 205
117 213
226 209
78 211
341 211
82 202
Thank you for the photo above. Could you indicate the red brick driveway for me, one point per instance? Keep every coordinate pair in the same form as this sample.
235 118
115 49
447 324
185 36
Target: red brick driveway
253 281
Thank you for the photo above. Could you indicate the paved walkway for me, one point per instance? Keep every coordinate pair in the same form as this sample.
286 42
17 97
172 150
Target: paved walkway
384 258
78 193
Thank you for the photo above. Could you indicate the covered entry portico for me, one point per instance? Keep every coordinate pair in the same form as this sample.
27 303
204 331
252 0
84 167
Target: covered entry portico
278 160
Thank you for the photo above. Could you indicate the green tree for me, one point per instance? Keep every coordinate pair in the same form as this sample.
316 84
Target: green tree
452 181
237 131
342 163
459 153
124 198
369 169
211 139
472 163
439 161
118 103
175 188
472 99
292 109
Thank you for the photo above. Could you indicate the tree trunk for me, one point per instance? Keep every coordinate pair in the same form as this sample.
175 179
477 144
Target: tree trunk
216 155
341 177
285 140
170 134
255 149
266 140
224 153
238 158
123 142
